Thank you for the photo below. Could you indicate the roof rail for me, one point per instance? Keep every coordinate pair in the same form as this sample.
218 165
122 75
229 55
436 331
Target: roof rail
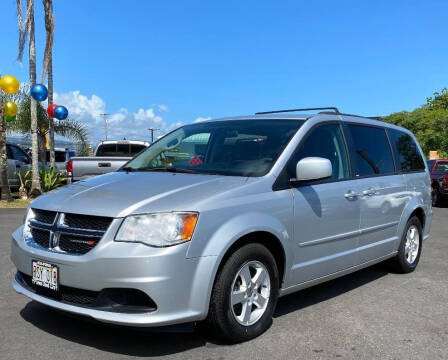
361 116
335 110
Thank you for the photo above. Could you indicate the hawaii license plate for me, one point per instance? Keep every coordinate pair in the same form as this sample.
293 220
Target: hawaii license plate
45 275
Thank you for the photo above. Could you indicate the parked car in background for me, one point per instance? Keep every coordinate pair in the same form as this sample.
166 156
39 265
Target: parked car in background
109 156
61 157
438 170
217 219
18 161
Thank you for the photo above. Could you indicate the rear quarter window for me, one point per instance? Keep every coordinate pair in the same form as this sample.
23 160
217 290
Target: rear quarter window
407 155
370 151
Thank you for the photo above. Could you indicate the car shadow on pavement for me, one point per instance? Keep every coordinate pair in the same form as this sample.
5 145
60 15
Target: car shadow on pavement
142 342
330 289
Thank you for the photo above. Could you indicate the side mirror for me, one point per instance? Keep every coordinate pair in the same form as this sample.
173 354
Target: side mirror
313 168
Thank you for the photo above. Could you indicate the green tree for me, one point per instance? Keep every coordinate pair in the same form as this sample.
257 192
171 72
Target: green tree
428 122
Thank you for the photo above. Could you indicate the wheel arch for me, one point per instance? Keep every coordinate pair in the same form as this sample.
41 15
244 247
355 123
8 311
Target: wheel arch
420 214
241 229
415 207
265 238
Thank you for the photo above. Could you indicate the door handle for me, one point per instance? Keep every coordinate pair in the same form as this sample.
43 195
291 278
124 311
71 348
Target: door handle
351 194
369 192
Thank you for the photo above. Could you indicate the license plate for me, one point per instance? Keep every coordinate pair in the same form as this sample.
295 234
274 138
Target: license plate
45 275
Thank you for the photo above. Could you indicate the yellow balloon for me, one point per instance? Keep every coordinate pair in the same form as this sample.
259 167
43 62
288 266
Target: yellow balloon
9 84
10 108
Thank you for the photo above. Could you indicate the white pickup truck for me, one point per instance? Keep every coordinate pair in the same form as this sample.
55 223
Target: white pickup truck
109 156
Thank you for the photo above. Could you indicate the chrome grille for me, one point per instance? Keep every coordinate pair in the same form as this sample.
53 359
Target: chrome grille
44 216
42 237
68 233
87 222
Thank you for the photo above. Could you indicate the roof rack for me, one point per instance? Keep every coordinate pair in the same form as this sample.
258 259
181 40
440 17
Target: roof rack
335 110
361 116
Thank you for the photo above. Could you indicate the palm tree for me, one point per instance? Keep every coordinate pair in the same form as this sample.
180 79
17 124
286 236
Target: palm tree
47 68
69 128
27 28
5 192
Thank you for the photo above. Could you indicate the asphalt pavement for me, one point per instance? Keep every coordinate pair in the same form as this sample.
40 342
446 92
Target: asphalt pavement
371 314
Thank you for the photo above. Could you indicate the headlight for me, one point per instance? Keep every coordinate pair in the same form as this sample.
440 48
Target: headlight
26 225
160 230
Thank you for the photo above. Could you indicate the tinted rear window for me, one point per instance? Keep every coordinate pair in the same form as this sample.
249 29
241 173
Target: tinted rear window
107 150
406 151
119 149
371 154
59 156
135 149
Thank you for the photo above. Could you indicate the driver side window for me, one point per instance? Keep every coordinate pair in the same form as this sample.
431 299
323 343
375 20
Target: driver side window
325 141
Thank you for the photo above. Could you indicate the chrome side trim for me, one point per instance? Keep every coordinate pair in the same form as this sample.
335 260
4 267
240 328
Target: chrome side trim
348 234
330 238
378 227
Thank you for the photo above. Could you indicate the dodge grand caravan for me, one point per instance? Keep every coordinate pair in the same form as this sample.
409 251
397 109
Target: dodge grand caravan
218 219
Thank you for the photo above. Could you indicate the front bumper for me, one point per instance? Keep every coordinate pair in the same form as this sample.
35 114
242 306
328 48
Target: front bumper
179 286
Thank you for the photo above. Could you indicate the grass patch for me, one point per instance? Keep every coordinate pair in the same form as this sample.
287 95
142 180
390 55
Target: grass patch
14 204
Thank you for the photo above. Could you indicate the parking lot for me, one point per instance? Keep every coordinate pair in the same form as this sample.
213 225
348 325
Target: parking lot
371 314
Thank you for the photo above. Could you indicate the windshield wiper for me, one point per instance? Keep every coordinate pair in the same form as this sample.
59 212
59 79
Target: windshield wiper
128 169
181 170
168 169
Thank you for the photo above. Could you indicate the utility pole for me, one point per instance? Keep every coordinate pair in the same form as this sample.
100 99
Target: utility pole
104 115
152 133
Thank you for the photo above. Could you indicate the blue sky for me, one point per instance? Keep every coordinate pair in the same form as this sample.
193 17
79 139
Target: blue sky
213 59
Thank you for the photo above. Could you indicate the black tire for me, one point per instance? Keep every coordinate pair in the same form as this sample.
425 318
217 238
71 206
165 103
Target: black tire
221 316
400 262
435 196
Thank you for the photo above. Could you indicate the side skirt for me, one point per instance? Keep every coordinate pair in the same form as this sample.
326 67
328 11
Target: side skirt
307 284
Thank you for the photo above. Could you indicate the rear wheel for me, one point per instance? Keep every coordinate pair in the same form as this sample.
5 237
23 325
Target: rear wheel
410 247
245 294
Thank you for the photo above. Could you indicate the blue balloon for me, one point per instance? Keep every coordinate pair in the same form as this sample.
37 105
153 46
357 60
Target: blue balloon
60 112
39 92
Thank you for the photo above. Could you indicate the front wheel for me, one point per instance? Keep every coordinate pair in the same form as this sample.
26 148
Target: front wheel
245 294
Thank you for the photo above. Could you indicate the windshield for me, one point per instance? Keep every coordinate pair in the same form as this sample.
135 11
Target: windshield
232 147
441 166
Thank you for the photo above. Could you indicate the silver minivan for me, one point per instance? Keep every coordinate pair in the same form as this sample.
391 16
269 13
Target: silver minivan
218 219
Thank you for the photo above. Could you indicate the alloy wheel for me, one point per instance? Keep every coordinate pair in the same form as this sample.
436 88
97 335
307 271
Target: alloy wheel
250 293
412 244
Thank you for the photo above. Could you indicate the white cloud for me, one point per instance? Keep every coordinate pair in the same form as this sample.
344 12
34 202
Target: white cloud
123 123
199 119
162 107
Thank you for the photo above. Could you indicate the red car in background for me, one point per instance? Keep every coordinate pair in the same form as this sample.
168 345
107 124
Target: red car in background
439 180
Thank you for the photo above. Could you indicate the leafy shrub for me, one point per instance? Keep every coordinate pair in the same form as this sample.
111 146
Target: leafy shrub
25 183
50 179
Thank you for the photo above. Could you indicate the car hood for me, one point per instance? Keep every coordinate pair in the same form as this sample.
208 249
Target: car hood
119 194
